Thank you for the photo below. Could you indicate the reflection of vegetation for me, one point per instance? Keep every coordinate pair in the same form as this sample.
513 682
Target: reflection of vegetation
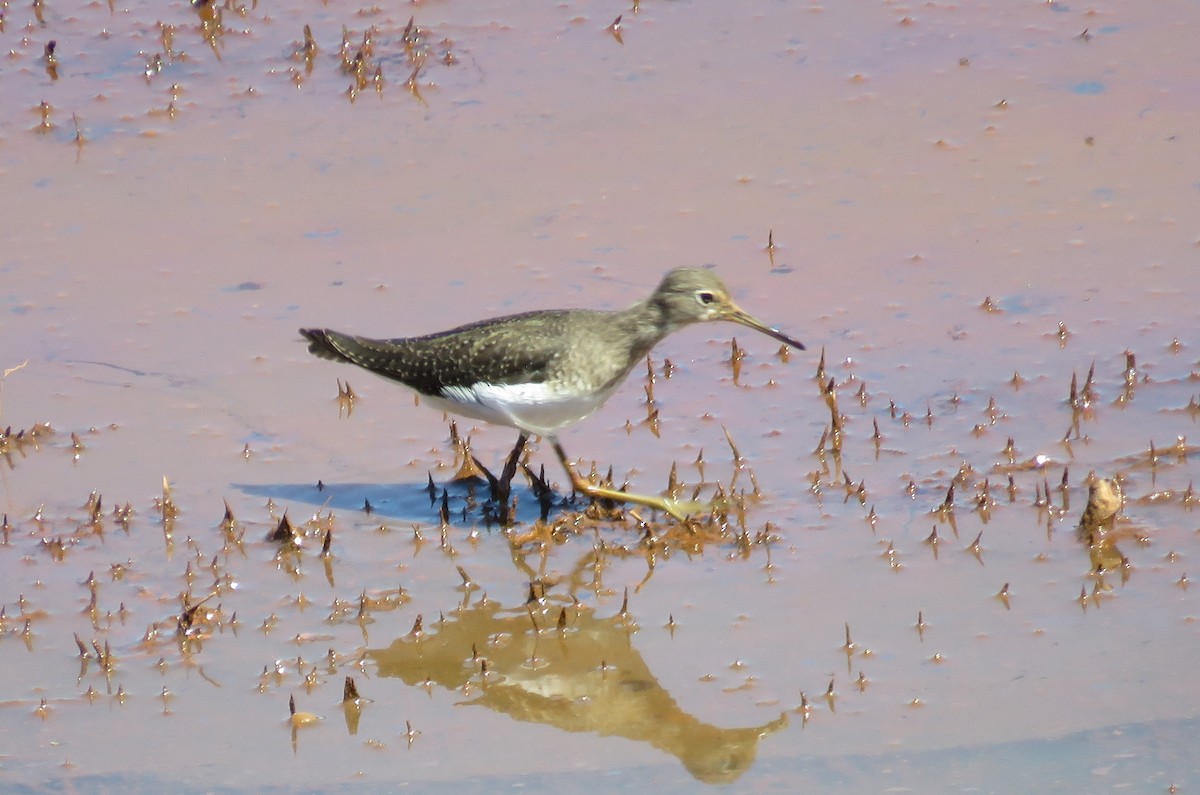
561 665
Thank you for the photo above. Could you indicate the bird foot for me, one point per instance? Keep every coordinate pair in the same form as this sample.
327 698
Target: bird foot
686 509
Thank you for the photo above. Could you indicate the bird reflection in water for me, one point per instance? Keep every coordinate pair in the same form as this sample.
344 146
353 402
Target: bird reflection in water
559 664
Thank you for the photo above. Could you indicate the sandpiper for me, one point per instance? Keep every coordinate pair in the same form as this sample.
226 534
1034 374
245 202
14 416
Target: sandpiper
540 371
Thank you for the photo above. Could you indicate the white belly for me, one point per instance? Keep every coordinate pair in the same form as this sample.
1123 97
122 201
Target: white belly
533 408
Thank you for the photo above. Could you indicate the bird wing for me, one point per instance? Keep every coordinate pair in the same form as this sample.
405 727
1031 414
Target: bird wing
510 350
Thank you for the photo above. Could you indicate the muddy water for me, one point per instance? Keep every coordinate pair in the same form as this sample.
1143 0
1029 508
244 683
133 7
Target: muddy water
969 206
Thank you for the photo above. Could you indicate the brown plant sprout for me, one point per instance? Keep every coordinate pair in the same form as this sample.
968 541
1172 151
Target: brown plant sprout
984 502
45 125
819 450
1073 432
50 60
805 710
410 734
360 70
1131 373
992 411
821 375
1046 494
835 436
345 50
736 355
976 548
418 630
212 26
674 486
190 622
652 422
814 483
932 541
892 556
770 248
849 646
468 468
411 36
614 30
166 507
1003 596
345 398
920 626
283 532
831 696
947 505
623 613
94 506
1089 388
166 34
1063 334
367 48
468 585
411 83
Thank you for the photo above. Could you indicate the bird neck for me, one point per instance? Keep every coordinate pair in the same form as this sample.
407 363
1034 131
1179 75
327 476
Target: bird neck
646 322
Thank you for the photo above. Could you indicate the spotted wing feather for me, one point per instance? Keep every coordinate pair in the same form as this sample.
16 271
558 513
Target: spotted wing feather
501 351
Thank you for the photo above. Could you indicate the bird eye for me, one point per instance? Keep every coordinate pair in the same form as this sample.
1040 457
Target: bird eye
705 297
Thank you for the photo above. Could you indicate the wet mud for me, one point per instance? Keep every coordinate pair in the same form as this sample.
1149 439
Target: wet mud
960 537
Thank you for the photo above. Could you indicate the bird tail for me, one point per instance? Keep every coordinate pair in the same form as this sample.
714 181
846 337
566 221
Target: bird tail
323 343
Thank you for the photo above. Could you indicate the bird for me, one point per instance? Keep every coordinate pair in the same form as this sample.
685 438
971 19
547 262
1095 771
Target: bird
541 371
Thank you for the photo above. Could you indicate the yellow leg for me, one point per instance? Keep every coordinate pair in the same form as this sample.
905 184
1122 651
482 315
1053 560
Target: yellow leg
680 509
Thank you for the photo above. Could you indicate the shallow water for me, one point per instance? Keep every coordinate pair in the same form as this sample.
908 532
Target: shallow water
908 162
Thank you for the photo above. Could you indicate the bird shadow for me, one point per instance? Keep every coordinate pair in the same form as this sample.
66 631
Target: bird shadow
465 501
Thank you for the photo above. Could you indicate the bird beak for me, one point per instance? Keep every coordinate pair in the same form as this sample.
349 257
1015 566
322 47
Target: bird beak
737 315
